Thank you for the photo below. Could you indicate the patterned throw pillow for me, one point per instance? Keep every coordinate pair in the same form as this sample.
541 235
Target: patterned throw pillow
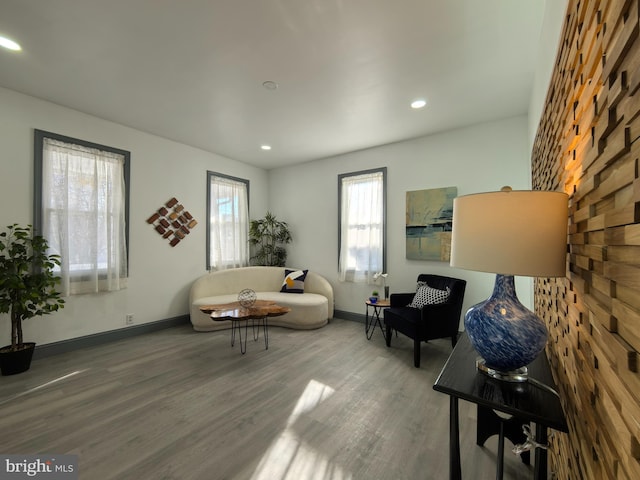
294 281
425 295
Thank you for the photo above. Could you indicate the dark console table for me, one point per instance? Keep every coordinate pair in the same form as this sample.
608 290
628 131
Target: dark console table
532 401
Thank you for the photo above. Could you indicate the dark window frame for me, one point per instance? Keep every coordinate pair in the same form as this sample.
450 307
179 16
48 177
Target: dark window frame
210 175
38 155
341 176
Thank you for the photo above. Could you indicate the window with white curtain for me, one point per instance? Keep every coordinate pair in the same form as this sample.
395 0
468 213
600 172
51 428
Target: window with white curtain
228 222
81 207
362 229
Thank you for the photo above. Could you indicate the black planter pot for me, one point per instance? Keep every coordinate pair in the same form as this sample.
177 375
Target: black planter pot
18 361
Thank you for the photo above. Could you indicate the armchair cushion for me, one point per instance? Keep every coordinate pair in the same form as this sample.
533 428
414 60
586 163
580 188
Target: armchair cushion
407 320
425 295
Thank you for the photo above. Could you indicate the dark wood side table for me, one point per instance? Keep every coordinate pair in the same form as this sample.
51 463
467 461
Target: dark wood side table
533 401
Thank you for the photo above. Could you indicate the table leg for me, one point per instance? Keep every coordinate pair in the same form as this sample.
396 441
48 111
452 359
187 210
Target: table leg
266 333
370 322
489 424
235 325
540 469
256 330
377 311
368 325
455 472
500 467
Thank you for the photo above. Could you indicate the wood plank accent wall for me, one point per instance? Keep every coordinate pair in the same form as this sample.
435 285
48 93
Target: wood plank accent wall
588 144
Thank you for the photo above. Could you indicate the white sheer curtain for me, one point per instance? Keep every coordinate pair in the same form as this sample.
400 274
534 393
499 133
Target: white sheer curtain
83 215
228 223
361 229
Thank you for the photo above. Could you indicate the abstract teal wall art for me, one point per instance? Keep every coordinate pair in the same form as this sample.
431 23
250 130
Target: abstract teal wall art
429 221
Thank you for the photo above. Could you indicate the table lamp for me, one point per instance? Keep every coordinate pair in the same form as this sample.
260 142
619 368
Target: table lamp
509 233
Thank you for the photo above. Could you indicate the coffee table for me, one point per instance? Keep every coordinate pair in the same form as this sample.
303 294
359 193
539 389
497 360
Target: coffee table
261 310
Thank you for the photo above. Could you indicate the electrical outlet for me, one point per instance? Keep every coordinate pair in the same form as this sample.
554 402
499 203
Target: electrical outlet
128 320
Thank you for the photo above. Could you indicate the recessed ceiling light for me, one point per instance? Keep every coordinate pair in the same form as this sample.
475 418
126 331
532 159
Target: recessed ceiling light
9 44
265 147
420 103
270 85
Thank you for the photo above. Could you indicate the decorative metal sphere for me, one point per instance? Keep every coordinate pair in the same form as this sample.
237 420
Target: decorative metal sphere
247 297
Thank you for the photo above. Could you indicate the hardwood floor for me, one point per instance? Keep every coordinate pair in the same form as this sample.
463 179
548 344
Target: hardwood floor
323 404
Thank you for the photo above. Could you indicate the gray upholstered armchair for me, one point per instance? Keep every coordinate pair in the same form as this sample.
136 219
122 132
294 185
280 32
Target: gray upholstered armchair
433 320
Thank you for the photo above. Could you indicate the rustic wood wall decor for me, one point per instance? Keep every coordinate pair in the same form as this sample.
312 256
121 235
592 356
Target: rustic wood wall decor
588 144
172 221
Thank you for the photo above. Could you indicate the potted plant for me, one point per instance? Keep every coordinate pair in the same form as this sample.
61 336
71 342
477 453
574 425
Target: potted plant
27 289
374 296
267 236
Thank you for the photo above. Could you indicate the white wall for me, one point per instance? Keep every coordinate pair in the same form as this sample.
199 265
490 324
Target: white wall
160 276
480 158
552 24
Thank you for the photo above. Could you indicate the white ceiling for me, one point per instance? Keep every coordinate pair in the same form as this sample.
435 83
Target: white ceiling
192 70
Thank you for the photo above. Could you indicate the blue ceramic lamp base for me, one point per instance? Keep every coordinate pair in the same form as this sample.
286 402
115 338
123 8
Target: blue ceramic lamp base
506 334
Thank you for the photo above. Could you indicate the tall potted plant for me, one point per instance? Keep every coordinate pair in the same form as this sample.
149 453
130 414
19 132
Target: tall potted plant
268 236
27 289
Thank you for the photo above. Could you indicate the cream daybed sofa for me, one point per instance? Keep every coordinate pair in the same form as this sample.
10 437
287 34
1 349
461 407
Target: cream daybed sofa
311 309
